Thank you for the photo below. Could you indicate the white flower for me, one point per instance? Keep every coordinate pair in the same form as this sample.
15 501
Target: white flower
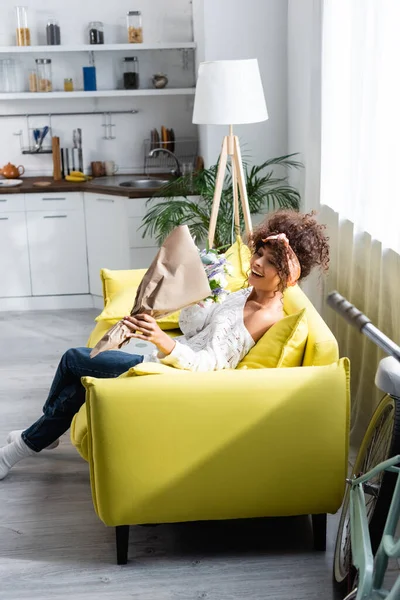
220 279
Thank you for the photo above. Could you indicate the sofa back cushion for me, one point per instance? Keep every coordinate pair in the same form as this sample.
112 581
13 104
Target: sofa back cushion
119 290
281 346
321 347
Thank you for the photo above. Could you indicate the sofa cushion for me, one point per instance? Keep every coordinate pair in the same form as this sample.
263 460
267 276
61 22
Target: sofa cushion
119 289
281 346
239 256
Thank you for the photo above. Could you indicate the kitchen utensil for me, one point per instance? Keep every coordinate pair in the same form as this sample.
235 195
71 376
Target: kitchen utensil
98 168
56 159
11 171
42 135
171 137
110 167
164 137
80 153
63 173
10 182
41 183
66 163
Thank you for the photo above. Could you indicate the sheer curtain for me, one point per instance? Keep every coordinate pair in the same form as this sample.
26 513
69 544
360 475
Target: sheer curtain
360 152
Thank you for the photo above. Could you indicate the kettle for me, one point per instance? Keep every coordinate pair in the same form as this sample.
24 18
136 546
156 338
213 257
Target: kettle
11 171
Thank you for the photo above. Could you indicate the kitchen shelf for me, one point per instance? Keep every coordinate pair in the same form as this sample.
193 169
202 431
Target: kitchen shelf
97 48
97 94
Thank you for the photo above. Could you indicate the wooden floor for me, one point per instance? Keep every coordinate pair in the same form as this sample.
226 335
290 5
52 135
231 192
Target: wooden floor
53 546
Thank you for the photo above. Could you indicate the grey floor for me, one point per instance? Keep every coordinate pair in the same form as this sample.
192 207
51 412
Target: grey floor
53 546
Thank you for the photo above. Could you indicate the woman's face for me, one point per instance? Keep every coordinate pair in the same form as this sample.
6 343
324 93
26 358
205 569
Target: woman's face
263 275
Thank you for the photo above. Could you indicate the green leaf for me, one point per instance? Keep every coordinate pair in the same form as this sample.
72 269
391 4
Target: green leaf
265 192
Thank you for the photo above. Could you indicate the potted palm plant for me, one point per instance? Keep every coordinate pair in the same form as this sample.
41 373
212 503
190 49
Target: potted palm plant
265 191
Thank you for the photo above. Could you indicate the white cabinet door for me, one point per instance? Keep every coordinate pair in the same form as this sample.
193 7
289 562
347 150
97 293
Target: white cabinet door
107 236
14 258
57 249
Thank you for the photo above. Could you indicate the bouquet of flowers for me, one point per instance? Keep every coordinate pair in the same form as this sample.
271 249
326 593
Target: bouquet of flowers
217 267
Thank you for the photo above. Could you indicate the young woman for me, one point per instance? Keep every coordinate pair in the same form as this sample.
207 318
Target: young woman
285 248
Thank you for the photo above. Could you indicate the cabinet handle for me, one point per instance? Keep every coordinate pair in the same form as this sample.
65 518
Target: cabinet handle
105 200
3 218
51 199
55 217
3 200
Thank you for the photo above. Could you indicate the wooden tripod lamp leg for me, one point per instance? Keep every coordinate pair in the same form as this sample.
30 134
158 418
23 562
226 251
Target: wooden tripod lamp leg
235 199
219 184
237 157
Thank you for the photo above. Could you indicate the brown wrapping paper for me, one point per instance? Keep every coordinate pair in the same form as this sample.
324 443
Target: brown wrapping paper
176 278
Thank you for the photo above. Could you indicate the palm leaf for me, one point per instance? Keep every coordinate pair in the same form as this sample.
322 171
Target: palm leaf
265 191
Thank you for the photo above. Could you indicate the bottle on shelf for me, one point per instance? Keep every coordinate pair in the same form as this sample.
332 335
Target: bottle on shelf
23 31
68 85
89 75
131 73
53 33
135 28
96 32
44 77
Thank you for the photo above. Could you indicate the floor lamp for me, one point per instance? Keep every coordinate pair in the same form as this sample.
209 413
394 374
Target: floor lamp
230 92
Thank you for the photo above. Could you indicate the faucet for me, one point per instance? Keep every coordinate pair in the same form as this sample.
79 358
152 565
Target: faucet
177 172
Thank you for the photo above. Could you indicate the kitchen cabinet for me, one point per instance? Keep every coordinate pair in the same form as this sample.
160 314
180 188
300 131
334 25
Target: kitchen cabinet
57 248
142 250
14 256
107 236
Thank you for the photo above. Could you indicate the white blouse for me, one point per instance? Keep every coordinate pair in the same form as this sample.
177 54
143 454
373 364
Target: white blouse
215 336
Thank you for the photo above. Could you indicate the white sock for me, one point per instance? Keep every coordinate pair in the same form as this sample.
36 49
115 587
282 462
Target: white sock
13 453
13 435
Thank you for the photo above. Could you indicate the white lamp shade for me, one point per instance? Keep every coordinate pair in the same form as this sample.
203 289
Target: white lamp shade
229 92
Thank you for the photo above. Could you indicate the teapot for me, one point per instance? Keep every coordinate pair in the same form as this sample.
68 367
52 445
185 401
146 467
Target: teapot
11 171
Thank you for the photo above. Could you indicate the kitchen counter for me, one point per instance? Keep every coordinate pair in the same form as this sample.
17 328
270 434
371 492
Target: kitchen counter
95 186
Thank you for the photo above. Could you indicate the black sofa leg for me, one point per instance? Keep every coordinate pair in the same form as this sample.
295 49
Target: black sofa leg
122 539
319 531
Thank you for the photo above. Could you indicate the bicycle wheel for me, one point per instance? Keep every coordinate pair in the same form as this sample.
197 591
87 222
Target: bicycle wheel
381 441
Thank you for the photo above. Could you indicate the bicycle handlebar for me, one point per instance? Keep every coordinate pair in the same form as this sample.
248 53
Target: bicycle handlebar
356 318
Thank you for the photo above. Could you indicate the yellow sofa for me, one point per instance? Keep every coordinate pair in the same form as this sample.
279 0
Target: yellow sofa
166 445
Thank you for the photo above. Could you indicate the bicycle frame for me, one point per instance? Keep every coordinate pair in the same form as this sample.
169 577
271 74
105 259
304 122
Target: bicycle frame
370 579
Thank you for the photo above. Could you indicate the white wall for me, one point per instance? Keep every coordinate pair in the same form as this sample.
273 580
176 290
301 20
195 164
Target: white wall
240 29
304 110
304 95
162 21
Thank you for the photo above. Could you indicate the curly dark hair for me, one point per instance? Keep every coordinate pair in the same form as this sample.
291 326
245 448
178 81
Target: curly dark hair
306 237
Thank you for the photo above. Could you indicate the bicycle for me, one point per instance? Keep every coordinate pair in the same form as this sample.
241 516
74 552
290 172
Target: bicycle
366 533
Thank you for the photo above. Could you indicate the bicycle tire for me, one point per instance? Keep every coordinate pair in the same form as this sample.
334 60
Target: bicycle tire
387 414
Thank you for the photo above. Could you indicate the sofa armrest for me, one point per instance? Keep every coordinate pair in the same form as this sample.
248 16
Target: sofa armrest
225 444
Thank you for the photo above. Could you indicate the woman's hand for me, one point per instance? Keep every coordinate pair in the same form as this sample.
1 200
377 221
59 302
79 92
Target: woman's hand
145 327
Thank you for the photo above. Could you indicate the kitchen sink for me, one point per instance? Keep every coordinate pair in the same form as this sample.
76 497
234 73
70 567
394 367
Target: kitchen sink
145 184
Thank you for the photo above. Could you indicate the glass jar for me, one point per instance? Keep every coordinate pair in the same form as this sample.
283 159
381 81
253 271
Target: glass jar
96 32
11 76
68 84
33 87
131 73
44 80
23 31
53 33
135 29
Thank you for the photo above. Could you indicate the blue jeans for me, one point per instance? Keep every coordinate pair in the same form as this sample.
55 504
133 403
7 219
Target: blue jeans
67 393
